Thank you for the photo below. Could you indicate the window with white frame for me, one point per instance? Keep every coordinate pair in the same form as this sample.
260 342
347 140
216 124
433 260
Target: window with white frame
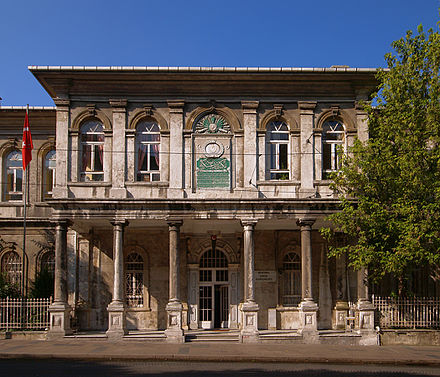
92 151
277 151
147 152
14 176
11 267
333 133
291 279
49 174
134 280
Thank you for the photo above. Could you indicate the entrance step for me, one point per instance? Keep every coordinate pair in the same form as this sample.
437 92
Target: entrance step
148 336
280 336
231 336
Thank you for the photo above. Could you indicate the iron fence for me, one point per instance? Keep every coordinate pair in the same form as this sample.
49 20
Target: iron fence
407 312
24 313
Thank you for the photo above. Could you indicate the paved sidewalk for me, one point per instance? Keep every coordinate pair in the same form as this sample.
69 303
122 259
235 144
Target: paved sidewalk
230 352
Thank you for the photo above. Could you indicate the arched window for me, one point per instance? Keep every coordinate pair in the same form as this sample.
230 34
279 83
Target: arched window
134 280
333 133
14 176
277 151
48 262
92 151
11 267
49 174
147 152
291 294
213 261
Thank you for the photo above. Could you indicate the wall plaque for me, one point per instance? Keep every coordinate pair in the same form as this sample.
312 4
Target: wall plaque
266 276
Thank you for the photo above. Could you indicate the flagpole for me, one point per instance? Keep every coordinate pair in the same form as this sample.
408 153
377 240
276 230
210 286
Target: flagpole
23 262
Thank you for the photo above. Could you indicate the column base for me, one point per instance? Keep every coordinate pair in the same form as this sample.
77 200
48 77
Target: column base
118 193
249 332
59 320
116 321
308 310
366 315
174 331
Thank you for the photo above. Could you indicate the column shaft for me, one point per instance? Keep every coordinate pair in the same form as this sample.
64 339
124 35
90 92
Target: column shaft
174 283
306 258
118 261
60 290
249 274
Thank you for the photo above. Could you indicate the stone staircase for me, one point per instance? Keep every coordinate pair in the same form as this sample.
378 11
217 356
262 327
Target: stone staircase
229 336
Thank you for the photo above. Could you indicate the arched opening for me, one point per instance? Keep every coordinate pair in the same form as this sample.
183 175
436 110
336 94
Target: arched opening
213 290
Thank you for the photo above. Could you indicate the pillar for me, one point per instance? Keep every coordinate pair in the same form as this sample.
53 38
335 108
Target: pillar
118 190
341 306
308 308
364 307
250 141
60 310
62 146
249 332
116 309
174 332
307 150
176 149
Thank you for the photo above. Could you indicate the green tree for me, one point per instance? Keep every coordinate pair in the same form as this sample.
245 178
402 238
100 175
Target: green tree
7 288
43 285
389 186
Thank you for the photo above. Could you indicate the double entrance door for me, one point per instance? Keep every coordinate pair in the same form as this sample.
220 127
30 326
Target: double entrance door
213 306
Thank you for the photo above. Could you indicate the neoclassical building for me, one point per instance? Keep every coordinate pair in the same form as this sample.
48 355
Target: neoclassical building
185 198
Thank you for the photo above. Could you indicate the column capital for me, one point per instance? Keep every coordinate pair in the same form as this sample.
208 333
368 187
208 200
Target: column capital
62 104
249 223
174 223
61 223
176 106
118 105
307 107
249 107
119 223
305 222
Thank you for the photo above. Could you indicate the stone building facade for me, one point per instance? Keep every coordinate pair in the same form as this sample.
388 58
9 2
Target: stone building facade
187 198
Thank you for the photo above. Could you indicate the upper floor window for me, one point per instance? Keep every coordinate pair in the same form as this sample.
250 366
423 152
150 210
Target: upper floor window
147 150
277 150
11 267
332 138
291 279
49 174
14 176
92 151
134 280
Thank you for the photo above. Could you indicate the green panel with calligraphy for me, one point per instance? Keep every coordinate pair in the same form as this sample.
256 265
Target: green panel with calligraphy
213 173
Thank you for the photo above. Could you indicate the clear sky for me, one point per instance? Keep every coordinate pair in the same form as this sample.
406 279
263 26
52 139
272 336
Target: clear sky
271 33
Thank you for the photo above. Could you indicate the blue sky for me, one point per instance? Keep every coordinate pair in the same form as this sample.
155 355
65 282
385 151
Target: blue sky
274 33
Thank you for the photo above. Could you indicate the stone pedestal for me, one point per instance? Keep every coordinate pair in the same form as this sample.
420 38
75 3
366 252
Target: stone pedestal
341 311
308 316
59 320
249 332
366 315
174 332
116 321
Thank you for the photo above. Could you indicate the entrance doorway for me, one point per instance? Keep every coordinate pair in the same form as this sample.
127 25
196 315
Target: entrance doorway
213 290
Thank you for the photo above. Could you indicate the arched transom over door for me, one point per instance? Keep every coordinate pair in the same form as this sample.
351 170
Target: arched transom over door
213 290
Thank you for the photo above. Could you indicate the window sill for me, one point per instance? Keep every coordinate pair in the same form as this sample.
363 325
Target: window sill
89 183
142 184
279 183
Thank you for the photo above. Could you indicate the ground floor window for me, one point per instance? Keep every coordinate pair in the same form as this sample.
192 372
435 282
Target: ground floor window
134 280
291 279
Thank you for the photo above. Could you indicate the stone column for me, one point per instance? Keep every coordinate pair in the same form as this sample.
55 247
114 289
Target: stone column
361 123
60 310
308 308
341 307
118 190
174 307
249 332
176 149
116 309
62 145
250 142
307 150
364 306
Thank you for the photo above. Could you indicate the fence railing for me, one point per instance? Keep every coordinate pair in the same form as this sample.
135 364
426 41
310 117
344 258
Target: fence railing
24 313
409 312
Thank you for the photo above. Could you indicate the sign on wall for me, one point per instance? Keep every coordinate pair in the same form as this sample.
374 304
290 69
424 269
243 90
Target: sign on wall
266 276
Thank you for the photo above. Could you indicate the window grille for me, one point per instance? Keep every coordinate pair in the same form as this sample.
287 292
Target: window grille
14 176
11 267
134 280
332 138
92 151
147 149
277 151
291 279
48 262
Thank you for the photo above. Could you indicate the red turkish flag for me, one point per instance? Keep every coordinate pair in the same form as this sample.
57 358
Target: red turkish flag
27 146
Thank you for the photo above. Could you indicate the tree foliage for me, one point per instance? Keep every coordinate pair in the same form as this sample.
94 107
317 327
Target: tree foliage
43 285
389 186
7 288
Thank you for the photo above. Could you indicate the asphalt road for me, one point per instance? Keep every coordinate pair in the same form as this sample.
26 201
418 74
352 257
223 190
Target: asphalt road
72 368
